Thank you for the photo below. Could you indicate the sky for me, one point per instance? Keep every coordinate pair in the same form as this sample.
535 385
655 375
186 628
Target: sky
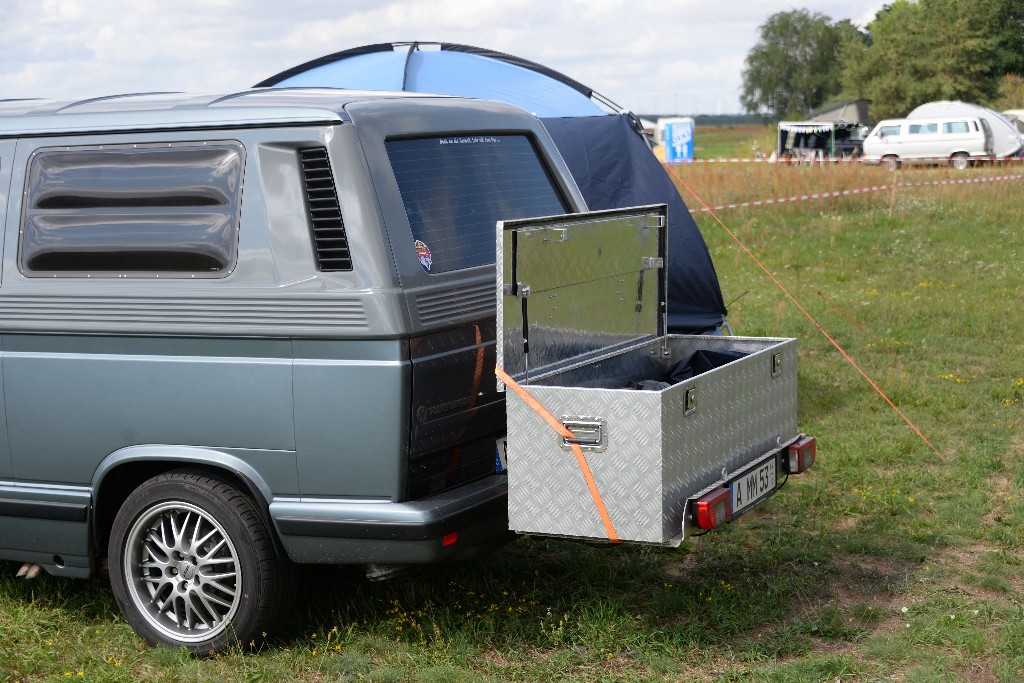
672 56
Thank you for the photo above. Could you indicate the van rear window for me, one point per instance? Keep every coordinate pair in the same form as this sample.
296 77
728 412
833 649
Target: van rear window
123 210
456 188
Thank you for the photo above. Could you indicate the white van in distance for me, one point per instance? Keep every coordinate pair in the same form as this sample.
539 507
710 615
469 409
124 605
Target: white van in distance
928 141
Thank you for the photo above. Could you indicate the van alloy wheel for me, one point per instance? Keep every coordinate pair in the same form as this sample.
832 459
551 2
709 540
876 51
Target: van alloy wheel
193 564
892 163
960 161
184 573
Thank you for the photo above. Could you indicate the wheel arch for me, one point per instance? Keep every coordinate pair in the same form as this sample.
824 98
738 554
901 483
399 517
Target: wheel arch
124 470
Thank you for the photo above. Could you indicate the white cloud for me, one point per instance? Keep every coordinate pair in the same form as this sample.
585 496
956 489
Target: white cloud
647 55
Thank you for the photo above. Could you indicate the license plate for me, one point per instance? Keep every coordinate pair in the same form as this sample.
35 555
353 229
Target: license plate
753 487
500 461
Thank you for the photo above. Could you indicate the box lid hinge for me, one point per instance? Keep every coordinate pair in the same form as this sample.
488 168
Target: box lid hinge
653 262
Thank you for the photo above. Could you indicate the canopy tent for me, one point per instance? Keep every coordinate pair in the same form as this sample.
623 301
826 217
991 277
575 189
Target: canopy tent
1006 141
851 111
602 145
449 69
821 138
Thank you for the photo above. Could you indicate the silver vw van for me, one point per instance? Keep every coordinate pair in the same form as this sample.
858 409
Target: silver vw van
245 331
249 330
956 141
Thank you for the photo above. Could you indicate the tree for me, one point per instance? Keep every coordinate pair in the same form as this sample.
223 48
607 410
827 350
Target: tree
1010 34
794 66
1011 93
935 50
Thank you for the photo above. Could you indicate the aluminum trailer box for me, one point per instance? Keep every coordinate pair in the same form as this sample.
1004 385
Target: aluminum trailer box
581 322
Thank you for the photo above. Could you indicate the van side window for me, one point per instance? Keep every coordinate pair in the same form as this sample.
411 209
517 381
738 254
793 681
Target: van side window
456 188
132 210
889 130
923 128
955 127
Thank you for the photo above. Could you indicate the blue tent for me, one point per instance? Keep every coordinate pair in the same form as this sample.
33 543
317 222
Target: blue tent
602 145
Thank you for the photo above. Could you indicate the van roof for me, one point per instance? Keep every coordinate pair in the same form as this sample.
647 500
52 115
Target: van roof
174 110
930 119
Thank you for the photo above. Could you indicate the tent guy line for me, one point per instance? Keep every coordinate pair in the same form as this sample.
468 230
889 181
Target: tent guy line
861 190
810 317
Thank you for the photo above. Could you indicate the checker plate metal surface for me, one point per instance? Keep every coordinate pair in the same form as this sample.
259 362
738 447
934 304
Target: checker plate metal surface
578 285
658 454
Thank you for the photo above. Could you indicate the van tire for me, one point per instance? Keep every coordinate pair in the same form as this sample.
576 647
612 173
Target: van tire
960 161
892 163
193 565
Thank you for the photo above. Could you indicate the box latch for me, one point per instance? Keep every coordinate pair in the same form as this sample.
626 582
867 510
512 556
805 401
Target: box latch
690 401
591 433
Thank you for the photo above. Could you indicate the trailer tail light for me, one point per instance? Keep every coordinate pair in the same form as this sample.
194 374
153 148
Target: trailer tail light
714 509
801 454
449 539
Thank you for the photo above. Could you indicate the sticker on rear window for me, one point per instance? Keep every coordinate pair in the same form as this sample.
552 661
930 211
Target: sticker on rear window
423 254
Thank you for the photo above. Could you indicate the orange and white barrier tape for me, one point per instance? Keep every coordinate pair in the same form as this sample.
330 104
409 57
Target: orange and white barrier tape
860 190
809 161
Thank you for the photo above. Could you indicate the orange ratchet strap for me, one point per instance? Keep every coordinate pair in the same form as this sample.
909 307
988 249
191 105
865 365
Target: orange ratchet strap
577 451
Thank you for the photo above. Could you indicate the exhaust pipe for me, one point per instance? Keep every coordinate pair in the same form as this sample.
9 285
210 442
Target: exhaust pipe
29 570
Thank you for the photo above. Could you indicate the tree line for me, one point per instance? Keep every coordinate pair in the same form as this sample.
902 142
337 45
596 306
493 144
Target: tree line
912 52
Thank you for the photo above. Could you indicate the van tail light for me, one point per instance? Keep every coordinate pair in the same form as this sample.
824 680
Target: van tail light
800 455
714 509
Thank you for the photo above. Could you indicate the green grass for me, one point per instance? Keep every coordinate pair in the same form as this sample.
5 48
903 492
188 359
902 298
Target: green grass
882 563
732 141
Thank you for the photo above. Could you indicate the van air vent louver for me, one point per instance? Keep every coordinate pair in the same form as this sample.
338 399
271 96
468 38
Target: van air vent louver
329 239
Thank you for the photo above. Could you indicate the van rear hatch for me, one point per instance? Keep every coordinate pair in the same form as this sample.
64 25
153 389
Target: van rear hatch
457 411
455 188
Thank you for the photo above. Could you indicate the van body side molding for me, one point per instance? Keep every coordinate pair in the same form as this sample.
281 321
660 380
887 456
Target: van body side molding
43 509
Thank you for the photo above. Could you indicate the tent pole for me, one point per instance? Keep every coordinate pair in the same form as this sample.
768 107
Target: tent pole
405 69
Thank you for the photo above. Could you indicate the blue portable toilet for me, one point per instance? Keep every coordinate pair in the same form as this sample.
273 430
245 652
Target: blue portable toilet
678 139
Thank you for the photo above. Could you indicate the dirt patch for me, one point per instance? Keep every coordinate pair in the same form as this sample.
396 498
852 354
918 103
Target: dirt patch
876 585
681 570
980 671
870 580
1002 491
834 647
965 559
847 524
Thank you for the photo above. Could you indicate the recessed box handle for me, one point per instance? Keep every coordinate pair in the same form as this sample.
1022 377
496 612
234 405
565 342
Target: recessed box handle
591 434
776 364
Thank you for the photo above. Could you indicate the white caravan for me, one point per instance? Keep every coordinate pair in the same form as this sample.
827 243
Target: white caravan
1006 139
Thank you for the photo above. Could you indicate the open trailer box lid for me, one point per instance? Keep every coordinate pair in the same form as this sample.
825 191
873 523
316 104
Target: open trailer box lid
644 422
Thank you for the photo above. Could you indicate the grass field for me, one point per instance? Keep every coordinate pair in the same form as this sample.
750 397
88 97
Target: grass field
885 562
732 141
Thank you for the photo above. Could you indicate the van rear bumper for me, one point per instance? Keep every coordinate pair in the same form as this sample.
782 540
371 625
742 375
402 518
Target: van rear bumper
357 532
